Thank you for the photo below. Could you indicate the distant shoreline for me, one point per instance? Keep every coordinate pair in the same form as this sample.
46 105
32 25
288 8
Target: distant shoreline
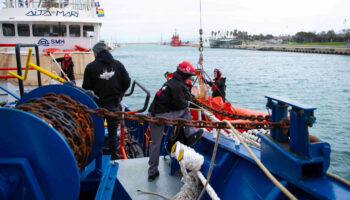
299 48
138 43
320 49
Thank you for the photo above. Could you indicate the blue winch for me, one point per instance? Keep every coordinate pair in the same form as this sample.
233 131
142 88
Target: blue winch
37 163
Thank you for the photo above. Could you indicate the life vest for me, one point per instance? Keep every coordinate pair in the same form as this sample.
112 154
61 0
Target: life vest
65 64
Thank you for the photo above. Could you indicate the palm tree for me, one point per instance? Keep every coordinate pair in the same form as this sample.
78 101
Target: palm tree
235 32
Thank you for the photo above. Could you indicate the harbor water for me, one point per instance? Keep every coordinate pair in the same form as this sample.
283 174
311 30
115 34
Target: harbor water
315 79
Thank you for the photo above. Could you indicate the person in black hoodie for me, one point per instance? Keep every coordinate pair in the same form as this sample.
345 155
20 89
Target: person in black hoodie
218 85
67 66
109 80
171 101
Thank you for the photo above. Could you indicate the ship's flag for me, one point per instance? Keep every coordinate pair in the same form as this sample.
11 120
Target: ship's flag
100 12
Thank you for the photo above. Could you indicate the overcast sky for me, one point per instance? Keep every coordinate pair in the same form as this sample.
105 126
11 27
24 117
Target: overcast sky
151 20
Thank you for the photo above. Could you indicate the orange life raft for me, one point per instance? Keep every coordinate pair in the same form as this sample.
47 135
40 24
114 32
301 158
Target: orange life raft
217 103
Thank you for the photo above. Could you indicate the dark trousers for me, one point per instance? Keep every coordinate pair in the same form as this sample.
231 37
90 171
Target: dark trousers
112 126
156 133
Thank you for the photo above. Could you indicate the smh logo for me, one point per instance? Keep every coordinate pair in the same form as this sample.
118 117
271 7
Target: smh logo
43 42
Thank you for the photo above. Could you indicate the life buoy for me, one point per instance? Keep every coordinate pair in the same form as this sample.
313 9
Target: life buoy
80 48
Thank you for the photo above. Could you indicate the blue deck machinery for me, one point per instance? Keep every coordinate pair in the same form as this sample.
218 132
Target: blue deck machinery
37 163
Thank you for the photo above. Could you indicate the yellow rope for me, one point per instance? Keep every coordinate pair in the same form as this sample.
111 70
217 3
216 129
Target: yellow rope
154 193
338 178
262 167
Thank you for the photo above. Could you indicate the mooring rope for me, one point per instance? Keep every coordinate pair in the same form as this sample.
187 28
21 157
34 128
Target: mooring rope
156 194
338 178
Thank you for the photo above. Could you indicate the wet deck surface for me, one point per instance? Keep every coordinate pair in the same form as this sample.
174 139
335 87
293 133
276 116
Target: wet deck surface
132 174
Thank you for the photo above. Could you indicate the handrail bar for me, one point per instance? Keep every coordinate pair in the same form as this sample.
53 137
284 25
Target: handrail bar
147 97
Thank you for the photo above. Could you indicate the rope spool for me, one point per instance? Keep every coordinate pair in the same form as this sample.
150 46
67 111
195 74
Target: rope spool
66 116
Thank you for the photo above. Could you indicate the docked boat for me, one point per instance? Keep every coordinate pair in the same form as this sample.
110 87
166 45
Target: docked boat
175 40
56 27
50 24
224 42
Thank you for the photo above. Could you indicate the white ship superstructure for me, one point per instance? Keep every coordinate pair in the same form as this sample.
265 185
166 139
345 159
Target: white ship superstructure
60 24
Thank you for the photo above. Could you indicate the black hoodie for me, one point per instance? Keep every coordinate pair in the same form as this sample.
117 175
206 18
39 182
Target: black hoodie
107 77
218 87
173 95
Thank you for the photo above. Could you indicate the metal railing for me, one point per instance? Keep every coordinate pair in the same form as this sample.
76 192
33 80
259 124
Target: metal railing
18 62
86 5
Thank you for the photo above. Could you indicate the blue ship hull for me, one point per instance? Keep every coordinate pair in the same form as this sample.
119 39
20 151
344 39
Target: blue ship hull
25 152
236 175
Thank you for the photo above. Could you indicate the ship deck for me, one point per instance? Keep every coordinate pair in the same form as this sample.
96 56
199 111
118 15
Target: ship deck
132 174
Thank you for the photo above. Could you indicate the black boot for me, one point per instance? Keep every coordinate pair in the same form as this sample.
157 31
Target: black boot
154 176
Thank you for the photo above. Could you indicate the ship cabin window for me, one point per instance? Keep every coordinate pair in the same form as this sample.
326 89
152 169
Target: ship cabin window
74 30
23 30
8 29
88 31
59 30
49 30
